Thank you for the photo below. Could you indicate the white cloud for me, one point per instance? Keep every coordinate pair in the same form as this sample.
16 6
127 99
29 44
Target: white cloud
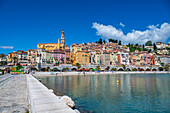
153 33
6 47
121 24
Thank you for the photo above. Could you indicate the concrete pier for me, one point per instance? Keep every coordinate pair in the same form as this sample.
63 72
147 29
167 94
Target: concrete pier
42 100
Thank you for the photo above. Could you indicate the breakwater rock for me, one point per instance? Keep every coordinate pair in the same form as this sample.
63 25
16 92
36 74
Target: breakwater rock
66 99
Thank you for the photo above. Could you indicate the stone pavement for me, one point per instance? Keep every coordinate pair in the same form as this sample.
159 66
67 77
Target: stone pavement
14 95
42 100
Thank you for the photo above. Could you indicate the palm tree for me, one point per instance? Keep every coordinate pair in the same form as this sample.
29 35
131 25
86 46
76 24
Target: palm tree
14 59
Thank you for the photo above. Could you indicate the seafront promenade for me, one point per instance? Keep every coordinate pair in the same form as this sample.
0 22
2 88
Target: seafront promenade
13 94
24 93
93 73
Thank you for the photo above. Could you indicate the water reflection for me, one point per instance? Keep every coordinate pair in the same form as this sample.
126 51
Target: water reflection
102 93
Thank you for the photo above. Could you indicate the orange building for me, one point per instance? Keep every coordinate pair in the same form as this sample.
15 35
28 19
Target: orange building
83 57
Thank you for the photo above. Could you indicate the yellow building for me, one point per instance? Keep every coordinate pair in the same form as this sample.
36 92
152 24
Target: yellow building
83 57
113 58
73 59
97 57
75 48
53 46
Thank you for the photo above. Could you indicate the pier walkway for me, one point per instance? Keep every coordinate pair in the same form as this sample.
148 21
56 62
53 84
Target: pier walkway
42 100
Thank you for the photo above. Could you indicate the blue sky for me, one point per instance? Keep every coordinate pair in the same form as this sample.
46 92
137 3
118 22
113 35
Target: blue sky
24 23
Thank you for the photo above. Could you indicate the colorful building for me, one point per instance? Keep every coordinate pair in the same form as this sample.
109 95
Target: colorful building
123 58
59 56
75 48
49 57
83 57
105 58
113 58
97 57
32 56
41 56
67 59
73 59
134 58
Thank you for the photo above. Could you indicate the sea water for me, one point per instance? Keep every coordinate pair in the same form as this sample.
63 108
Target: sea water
114 93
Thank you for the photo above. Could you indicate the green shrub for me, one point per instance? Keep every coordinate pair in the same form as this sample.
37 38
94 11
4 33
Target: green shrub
113 69
160 68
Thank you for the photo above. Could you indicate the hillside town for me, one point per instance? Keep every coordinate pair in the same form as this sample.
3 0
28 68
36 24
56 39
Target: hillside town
101 53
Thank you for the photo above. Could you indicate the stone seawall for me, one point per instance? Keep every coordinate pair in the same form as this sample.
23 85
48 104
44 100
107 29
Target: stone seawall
42 100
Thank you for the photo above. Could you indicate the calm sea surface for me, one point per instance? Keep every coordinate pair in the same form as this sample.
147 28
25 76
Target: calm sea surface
102 93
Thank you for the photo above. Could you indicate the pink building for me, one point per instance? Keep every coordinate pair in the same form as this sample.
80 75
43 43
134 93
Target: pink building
145 58
59 56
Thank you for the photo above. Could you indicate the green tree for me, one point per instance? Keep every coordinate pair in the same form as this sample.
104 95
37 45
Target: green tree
100 41
48 68
129 45
124 67
167 67
119 42
108 67
160 68
14 59
97 68
148 43
136 45
65 69
143 46
149 50
134 69
110 40
78 65
104 41
140 49
18 64
113 69
162 64
154 47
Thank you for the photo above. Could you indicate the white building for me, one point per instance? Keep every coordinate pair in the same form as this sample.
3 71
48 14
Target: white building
41 56
49 58
160 45
123 58
92 57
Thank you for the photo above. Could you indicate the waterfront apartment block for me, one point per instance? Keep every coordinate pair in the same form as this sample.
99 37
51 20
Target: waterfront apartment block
123 58
83 57
59 56
114 58
105 58
97 57
73 59
32 56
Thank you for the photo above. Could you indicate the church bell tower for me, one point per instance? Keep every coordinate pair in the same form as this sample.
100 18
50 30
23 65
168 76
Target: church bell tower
62 38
